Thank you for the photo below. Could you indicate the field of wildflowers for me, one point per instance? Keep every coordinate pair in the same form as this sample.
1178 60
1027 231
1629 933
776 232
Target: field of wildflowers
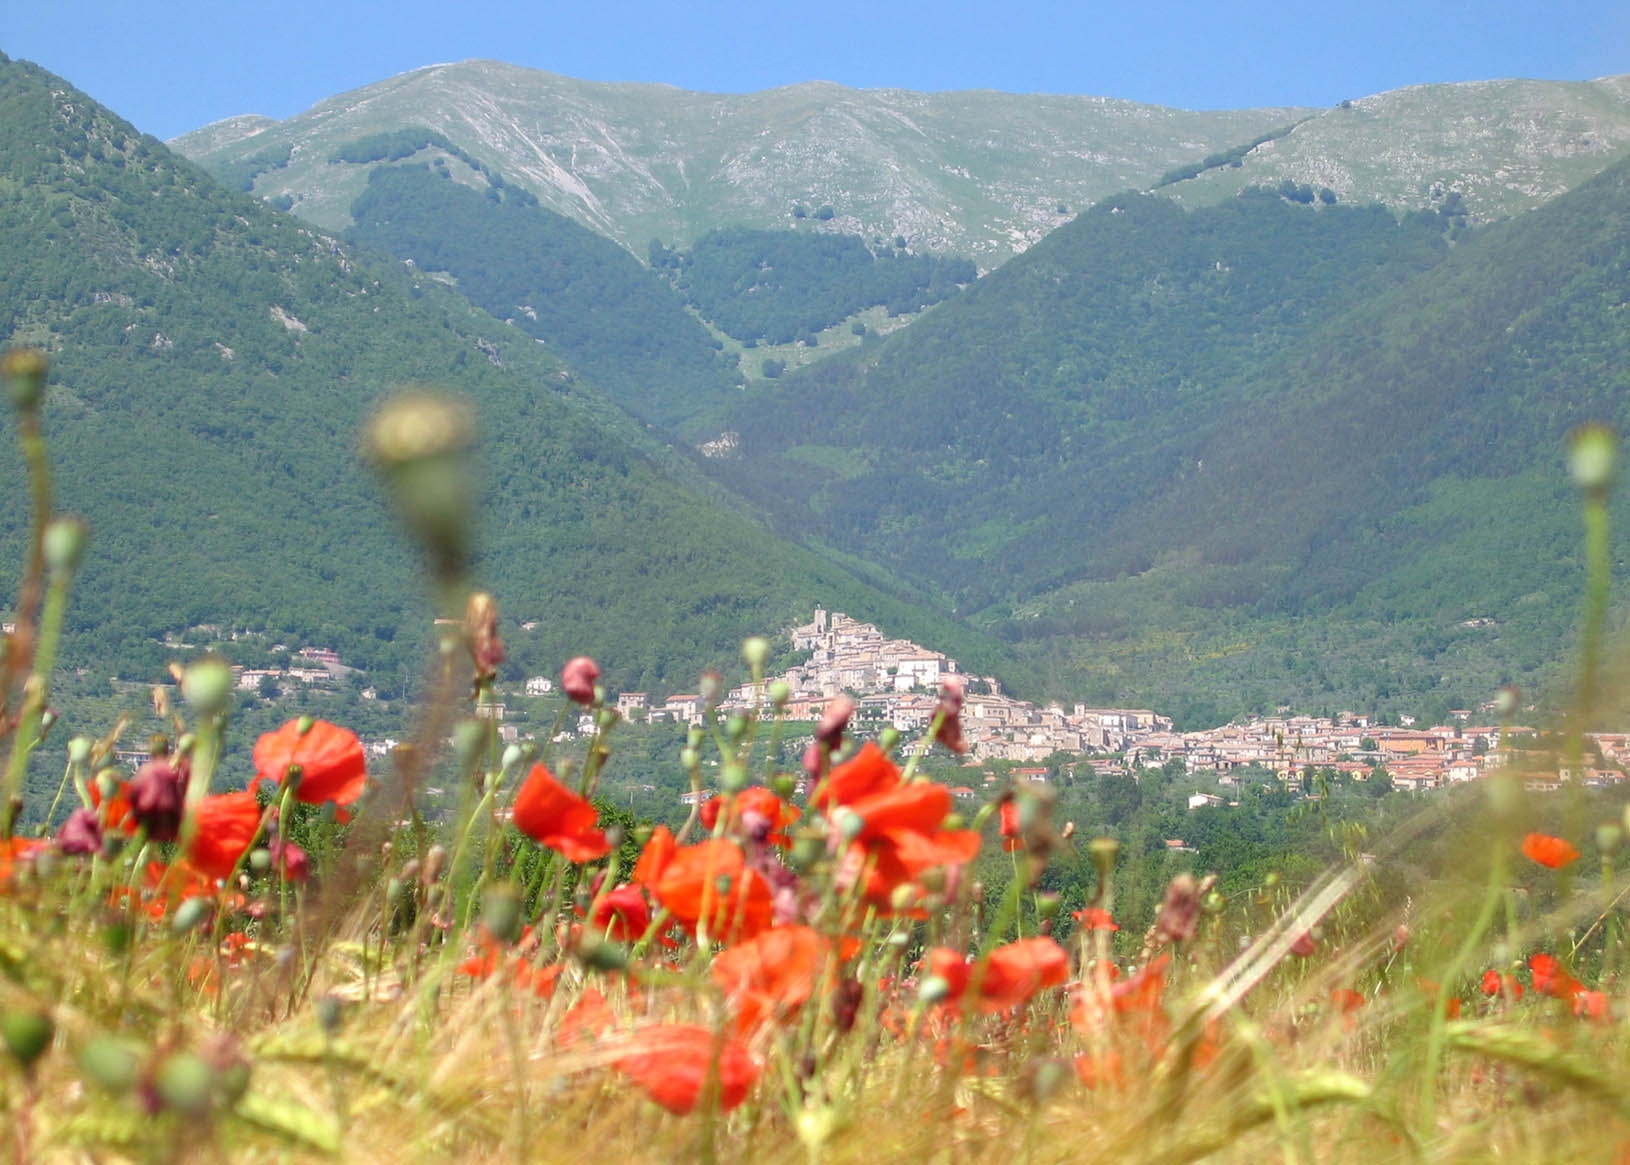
310 968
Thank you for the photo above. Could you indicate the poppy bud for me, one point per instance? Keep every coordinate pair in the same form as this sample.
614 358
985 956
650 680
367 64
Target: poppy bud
191 914
578 678
330 1013
1608 838
501 912
79 749
184 1083
24 371
1047 904
888 739
481 635
435 859
1104 851
779 693
260 860
26 1034
733 776
783 785
602 955
829 731
207 684
756 652
1592 449
418 442
932 989
157 794
63 545
110 1063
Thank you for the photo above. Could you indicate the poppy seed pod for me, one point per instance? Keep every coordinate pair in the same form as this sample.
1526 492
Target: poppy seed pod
63 544
1592 450
419 442
24 371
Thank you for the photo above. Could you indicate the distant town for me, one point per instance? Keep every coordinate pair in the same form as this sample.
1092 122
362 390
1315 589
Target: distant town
896 682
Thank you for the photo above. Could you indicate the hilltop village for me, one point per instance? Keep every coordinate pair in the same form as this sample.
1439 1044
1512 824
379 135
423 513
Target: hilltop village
895 681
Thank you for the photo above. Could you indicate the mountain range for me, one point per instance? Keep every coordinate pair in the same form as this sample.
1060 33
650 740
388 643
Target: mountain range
1249 433
981 174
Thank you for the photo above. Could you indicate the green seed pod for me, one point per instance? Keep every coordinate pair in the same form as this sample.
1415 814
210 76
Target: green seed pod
1592 450
756 652
501 910
1047 904
932 989
807 850
602 955
784 785
260 860
26 1034
1608 838
24 371
79 749
63 545
185 1083
733 776
1104 852
888 739
955 821
735 727
207 684
779 693
191 914
849 823
110 1064
469 742
419 443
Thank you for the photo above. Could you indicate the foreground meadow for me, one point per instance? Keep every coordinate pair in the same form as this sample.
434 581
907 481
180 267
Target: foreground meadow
805 970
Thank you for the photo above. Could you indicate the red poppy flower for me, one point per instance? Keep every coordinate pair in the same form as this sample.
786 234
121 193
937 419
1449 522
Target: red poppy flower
13 850
681 1065
227 826
755 810
586 1019
709 887
1011 975
554 816
654 857
1095 918
1011 842
773 972
1551 978
1303 947
1346 1000
324 763
1548 851
896 836
622 914
1590 1004
865 773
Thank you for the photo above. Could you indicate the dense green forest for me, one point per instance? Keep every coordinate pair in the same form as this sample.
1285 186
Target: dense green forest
213 363
559 282
1259 453
782 286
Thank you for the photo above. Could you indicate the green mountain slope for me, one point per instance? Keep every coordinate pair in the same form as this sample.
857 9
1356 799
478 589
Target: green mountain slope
979 173
1254 454
213 363
587 298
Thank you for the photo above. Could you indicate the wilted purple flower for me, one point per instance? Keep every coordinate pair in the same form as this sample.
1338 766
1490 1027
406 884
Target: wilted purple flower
949 710
291 859
812 761
830 729
158 794
81 833
1180 913
577 679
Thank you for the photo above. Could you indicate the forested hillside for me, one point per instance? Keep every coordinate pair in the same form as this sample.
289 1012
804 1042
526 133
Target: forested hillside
592 302
1256 453
213 362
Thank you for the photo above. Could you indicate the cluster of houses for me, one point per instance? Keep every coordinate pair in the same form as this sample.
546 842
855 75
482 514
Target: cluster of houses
895 681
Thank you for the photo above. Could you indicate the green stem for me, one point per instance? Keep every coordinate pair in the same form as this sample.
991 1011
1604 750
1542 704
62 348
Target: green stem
35 693
1451 979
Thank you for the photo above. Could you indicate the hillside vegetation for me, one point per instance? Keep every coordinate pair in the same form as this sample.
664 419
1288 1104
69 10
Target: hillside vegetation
214 360
1251 453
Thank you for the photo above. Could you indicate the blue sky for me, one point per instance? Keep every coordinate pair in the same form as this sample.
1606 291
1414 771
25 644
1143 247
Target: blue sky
173 66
